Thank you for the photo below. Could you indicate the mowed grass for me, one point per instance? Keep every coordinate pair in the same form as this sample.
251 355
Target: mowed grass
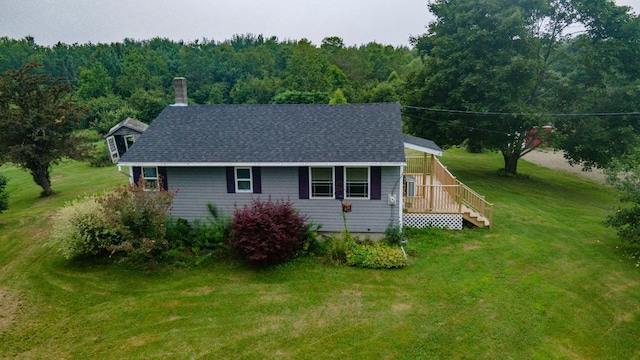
548 282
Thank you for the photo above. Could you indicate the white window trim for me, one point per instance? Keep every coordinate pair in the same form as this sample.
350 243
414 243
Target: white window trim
144 178
368 197
333 182
113 149
235 176
126 144
411 186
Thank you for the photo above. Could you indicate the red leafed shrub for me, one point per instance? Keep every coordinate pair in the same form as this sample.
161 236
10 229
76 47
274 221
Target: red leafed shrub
267 233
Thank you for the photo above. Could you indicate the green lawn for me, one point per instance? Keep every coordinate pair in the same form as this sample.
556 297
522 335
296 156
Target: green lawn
549 281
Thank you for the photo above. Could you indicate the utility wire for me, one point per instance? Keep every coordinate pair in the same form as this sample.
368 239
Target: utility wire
459 126
495 113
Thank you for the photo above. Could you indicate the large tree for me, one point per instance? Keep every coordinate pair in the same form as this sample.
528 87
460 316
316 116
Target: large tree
604 74
489 72
37 118
4 195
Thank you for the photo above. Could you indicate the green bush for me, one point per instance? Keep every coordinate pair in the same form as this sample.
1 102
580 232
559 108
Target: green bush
178 232
393 235
99 156
334 248
375 256
128 221
81 229
201 235
211 234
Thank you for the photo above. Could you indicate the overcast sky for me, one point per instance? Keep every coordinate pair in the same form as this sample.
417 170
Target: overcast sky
80 21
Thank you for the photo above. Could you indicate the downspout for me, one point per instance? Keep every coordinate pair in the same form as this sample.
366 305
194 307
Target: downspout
399 201
129 174
398 198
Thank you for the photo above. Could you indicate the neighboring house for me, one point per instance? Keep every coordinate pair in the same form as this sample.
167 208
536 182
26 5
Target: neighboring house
316 156
122 136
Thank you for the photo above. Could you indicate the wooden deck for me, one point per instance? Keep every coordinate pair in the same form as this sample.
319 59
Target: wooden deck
429 188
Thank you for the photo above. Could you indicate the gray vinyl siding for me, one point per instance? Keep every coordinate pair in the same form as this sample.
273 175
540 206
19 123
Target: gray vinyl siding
198 186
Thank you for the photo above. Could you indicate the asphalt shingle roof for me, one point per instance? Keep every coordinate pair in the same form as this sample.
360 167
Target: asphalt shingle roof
422 142
130 123
349 133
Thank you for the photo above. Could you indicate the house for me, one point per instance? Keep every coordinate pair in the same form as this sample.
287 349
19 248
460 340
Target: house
316 156
122 135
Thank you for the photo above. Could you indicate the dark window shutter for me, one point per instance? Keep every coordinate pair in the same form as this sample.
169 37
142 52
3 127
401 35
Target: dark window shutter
256 173
231 180
303 182
162 172
376 183
340 182
137 172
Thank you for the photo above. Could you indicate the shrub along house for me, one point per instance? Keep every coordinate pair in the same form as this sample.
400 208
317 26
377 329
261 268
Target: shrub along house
316 156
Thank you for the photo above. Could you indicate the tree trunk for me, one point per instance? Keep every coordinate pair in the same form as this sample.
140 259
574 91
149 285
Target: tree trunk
41 176
511 163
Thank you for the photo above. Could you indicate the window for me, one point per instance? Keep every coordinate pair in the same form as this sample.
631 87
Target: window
322 182
244 181
411 186
113 149
357 182
128 141
150 178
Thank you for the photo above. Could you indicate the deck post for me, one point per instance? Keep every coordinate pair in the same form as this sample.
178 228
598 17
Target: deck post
400 201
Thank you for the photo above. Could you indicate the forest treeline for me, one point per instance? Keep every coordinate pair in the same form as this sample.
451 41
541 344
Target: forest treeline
133 78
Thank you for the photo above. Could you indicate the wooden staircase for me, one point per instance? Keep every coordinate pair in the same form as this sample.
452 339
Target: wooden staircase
475 218
436 190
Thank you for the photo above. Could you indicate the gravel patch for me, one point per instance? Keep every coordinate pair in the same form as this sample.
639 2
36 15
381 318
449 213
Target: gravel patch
555 160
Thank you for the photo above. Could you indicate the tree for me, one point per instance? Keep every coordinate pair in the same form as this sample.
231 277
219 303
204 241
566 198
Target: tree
4 195
301 97
142 69
487 63
253 90
308 69
37 117
605 75
624 175
94 82
338 97
148 103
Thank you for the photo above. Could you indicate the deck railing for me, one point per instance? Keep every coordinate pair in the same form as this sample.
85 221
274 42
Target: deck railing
437 190
436 200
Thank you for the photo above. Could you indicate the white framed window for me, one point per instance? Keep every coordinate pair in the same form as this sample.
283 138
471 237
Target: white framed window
128 141
322 182
244 180
356 182
150 178
113 149
411 186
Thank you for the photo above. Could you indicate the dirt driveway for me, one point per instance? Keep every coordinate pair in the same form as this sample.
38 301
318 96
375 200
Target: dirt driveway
555 160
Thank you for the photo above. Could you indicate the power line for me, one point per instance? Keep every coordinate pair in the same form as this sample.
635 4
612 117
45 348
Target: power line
495 113
460 126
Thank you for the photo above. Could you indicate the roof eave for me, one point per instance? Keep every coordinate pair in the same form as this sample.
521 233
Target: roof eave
422 149
256 164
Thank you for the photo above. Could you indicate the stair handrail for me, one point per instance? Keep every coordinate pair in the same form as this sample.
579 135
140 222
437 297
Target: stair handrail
466 195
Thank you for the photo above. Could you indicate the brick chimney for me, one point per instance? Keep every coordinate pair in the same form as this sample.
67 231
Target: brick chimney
180 91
